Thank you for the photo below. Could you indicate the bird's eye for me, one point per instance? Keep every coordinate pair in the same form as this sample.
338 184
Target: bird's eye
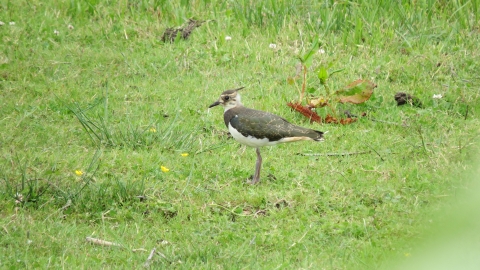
227 98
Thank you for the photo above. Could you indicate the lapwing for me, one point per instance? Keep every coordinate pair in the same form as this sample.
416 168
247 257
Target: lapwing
258 128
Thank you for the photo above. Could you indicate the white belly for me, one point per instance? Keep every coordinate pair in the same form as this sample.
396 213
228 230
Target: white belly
249 141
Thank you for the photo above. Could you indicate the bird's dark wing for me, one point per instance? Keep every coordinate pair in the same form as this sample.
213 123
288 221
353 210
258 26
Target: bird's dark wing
266 125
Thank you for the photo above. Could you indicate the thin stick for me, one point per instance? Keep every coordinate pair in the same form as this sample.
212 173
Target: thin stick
373 149
344 154
336 154
149 259
101 242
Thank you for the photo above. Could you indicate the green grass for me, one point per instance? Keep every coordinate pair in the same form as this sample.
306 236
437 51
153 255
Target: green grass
109 99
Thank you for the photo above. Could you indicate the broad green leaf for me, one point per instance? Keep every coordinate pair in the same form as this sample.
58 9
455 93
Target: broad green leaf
323 75
311 90
308 57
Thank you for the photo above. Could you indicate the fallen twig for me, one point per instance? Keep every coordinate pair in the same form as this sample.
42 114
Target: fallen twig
344 154
101 242
386 122
336 154
149 259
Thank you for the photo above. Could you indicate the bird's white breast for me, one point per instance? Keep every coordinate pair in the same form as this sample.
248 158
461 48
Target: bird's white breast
249 140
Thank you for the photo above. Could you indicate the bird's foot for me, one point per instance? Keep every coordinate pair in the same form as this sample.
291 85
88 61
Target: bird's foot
253 180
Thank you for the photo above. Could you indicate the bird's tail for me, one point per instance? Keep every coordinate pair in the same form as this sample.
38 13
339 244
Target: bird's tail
319 136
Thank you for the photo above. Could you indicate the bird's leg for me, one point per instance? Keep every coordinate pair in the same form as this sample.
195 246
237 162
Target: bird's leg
258 166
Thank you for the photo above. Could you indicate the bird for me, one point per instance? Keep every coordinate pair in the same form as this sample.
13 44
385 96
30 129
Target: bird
256 128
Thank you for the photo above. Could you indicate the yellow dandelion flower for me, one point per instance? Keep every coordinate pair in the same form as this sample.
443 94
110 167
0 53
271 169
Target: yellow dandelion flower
184 154
78 172
164 169
153 130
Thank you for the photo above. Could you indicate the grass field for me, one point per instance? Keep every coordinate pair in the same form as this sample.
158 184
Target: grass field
105 132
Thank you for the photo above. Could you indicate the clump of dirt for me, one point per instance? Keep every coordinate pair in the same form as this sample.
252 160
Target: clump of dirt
185 31
403 98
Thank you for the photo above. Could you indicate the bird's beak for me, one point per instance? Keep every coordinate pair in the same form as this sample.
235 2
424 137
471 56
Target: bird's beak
214 104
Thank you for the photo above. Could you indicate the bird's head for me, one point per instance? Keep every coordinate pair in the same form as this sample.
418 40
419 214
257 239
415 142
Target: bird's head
228 99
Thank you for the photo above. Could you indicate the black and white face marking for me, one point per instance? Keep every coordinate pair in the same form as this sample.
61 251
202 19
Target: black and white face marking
228 99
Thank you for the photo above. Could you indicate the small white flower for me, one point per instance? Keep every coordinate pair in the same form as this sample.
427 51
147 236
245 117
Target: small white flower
228 38
321 51
2 23
56 32
11 23
70 26
272 46
437 96
18 198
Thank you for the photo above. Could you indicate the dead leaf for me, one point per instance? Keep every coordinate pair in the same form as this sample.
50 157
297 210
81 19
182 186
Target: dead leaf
357 92
318 102
330 119
344 121
307 111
